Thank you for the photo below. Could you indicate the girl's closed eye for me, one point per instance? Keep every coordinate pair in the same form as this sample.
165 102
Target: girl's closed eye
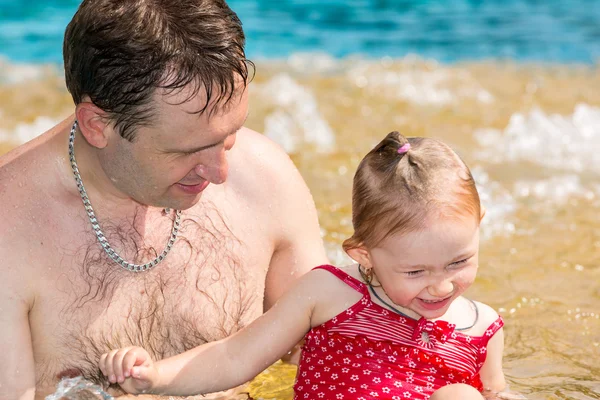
414 273
460 263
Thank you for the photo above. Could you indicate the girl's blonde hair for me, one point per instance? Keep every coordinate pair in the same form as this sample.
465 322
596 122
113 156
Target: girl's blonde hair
403 183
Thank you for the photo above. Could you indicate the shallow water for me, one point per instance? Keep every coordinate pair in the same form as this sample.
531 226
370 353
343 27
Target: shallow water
531 135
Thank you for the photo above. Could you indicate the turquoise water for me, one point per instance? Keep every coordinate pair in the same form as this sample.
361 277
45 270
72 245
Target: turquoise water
562 31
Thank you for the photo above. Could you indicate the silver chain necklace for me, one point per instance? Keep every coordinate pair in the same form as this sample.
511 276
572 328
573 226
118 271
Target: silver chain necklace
96 227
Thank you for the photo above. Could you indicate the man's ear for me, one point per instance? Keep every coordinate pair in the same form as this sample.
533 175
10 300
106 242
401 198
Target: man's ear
92 124
360 255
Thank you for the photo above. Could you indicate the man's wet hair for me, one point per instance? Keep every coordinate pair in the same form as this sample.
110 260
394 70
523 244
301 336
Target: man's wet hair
120 52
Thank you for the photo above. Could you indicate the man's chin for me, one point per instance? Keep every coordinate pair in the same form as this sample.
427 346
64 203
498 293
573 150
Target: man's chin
183 202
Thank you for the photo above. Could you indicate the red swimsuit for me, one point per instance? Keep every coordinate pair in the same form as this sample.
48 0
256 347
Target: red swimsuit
370 352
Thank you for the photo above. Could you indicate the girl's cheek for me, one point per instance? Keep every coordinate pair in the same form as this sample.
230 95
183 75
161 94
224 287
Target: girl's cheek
466 275
407 286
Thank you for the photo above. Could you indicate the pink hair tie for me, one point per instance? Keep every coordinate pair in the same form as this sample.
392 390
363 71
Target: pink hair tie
405 147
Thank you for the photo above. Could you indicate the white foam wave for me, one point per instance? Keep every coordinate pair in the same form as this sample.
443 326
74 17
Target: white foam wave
558 189
26 132
317 62
12 73
411 78
499 205
337 255
424 83
296 118
554 141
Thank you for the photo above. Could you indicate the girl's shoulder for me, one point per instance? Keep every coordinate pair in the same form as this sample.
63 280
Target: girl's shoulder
335 290
487 315
335 280
343 278
479 315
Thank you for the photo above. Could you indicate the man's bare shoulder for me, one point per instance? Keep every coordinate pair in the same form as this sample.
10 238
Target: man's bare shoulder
31 179
260 155
264 173
27 172
16 173
33 150
15 197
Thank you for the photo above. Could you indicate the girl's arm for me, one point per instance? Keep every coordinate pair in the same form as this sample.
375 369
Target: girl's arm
234 360
491 372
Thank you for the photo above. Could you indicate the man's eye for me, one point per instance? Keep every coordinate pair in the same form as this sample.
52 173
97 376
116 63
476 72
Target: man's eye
190 153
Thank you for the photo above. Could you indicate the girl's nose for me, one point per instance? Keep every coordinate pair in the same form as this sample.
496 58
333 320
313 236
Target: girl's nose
441 288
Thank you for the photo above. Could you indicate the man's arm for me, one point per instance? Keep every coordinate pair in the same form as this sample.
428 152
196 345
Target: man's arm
298 242
17 372
292 217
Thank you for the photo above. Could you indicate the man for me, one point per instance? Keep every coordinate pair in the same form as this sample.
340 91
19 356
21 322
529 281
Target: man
151 216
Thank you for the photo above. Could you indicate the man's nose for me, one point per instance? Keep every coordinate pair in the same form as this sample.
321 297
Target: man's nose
441 288
215 168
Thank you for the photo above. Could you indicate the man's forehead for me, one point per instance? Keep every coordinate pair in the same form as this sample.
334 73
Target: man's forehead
194 98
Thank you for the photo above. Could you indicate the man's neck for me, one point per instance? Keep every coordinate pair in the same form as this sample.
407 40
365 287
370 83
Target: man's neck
104 196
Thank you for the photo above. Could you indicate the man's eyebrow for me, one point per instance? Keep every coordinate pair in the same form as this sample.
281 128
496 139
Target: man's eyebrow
208 146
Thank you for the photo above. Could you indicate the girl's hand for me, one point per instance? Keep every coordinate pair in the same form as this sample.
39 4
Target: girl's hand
130 367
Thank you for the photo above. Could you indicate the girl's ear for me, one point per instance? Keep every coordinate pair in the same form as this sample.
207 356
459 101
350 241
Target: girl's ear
92 124
360 255
483 210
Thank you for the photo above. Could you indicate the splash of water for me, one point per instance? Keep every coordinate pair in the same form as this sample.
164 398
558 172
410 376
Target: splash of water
78 389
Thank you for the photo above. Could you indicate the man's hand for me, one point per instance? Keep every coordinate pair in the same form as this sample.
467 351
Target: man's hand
132 368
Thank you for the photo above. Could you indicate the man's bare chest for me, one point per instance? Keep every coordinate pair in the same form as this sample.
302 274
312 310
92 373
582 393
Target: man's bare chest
206 289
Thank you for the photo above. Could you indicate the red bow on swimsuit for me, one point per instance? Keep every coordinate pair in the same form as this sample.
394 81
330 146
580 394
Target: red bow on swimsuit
429 333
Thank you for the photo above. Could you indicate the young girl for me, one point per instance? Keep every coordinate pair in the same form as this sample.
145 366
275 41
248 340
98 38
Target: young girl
393 326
